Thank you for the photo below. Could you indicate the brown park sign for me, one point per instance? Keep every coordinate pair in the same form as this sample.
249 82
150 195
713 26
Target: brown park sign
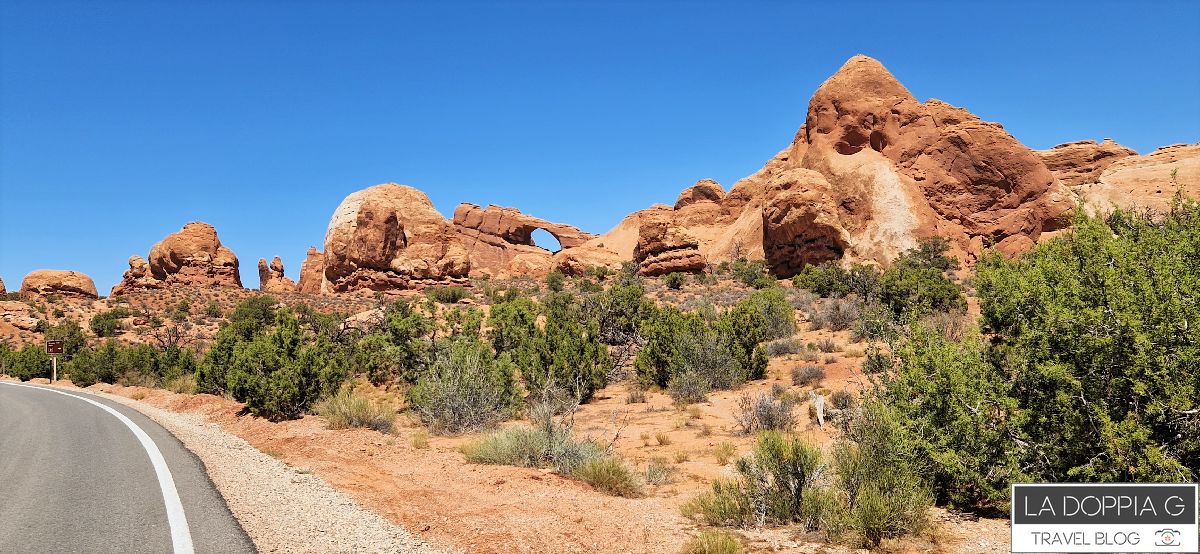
55 346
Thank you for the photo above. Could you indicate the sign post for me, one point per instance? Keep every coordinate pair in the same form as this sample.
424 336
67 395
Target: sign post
54 348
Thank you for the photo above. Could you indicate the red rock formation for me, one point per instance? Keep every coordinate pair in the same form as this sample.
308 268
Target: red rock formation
312 272
1080 162
390 237
271 278
1141 182
138 276
194 256
500 240
44 282
664 247
801 223
2 290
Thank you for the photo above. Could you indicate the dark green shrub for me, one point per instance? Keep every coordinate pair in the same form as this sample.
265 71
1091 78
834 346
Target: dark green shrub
751 273
827 280
107 323
566 352
674 280
663 332
30 362
1098 335
447 295
68 331
279 374
916 283
212 309
513 324
554 281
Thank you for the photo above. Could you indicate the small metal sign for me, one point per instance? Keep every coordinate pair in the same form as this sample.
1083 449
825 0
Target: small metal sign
55 346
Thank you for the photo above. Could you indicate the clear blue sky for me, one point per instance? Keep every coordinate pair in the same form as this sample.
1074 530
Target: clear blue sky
121 121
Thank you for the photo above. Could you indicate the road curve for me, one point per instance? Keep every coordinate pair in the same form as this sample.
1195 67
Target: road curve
76 477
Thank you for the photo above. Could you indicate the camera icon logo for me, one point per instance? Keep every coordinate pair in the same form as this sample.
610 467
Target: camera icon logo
1166 537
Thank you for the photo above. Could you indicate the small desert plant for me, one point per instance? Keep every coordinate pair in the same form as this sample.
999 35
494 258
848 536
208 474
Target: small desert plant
876 361
724 452
783 347
182 384
349 408
713 542
420 440
637 395
827 345
682 456
807 375
609 474
662 439
837 314
765 413
674 280
842 399
212 309
659 472
688 387
465 389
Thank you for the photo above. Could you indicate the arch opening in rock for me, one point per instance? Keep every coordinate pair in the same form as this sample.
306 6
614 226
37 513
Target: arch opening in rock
545 240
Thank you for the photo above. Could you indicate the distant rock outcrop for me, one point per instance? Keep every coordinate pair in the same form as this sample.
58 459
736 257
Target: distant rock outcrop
1126 180
271 277
138 276
390 237
499 240
2 290
192 256
1080 162
312 272
665 247
44 282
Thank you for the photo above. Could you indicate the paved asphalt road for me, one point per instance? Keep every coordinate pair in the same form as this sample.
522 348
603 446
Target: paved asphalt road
74 477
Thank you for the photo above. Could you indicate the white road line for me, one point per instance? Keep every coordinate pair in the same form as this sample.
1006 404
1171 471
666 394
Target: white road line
181 536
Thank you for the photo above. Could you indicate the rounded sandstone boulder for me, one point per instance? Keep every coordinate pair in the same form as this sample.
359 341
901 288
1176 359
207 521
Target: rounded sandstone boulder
45 282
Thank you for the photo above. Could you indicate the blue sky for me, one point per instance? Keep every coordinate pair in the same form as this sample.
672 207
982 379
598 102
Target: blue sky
121 121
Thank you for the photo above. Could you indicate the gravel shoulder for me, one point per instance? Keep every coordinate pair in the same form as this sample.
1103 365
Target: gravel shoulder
283 509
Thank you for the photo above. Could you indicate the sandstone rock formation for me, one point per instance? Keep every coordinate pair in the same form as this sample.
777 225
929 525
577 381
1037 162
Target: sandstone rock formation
2 290
1080 162
138 276
1126 180
192 256
665 247
44 282
18 314
390 237
499 240
312 272
271 278
871 170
